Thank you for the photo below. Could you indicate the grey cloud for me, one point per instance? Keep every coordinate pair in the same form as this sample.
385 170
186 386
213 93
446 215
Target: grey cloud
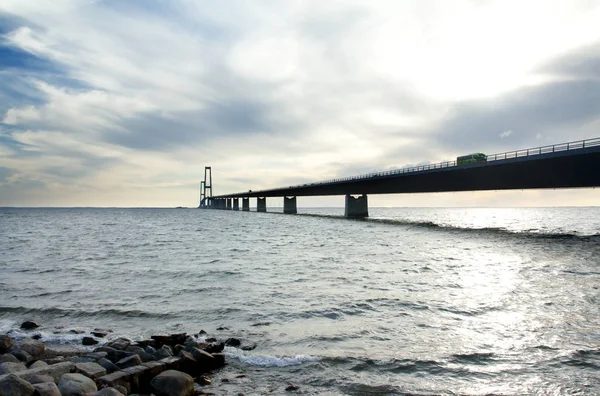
5 173
156 132
554 110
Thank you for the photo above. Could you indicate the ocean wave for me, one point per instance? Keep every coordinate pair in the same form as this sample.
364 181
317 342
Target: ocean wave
75 313
269 360
491 230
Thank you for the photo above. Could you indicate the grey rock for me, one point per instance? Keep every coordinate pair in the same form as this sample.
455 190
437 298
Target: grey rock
146 357
135 349
173 383
163 352
54 370
37 364
89 341
38 378
9 358
46 389
28 325
99 334
76 385
129 361
33 347
149 349
22 356
5 343
234 342
8 367
83 359
116 355
12 385
96 355
91 370
119 343
108 365
108 392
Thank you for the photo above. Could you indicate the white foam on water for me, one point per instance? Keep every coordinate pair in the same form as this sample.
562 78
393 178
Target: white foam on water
6 325
269 360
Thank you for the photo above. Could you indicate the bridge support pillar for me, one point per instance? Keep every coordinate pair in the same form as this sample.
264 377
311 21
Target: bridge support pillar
236 204
221 204
228 203
356 207
261 204
289 205
246 204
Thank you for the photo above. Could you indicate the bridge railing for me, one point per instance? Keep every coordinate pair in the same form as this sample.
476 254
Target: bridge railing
447 164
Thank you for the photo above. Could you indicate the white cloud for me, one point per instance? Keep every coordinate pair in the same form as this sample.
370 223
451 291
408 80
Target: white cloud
322 88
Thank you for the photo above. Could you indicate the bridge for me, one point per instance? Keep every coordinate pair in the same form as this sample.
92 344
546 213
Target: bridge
566 165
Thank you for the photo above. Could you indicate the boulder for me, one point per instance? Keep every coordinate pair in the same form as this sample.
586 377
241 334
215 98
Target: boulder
108 365
76 385
46 389
9 358
178 348
33 347
53 370
38 378
91 370
95 355
149 349
88 341
129 361
12 385
139 377
37 364
116 355
5 343
233 342
113 380
108 392
99 334
203 357
146 357
28 325
119 343
163 352
212 347
189 364
83 359
249 347
22 356
173 383
135 349
219 360
8 367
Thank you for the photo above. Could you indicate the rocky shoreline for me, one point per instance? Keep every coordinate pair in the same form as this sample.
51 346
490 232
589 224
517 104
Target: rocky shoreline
173 364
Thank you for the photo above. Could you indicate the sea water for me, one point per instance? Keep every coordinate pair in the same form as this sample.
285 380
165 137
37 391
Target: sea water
409 301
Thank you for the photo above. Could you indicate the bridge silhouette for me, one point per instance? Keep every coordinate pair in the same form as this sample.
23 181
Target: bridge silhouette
566 165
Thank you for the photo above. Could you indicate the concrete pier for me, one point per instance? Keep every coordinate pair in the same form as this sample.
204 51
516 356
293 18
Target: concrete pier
289 205
246 204
261 204
356 207
236 204
228 203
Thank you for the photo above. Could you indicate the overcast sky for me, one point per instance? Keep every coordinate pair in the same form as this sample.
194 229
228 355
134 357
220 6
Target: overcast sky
123 103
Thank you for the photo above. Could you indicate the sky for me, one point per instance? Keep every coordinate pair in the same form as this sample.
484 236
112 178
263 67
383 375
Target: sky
124 102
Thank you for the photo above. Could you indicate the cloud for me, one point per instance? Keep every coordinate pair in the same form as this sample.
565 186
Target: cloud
124 98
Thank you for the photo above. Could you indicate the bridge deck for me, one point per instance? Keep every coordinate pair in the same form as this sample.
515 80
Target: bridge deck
569 165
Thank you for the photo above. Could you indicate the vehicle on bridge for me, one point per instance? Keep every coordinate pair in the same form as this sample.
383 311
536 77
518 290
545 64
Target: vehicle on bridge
471 159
